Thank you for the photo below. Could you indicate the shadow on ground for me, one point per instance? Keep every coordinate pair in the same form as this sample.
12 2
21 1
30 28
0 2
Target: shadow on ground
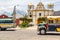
52 34
8 30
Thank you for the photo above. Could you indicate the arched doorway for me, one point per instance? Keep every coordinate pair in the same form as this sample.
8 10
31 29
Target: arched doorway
39 14
41 20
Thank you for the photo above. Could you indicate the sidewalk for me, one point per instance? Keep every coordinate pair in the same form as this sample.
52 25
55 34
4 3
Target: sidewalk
26 28
17 27
32 27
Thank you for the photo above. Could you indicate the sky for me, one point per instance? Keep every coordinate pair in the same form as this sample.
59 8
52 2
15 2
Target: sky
7 5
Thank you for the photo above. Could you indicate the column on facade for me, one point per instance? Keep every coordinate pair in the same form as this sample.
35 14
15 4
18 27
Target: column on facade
34 18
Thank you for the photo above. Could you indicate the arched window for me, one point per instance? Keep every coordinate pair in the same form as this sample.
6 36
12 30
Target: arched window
50 21
39 14
30 7
30 14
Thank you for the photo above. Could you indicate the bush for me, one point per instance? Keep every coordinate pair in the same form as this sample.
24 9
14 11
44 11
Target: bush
25 22
24 25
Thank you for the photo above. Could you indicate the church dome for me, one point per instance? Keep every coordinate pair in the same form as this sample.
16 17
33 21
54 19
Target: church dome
50 4
30 4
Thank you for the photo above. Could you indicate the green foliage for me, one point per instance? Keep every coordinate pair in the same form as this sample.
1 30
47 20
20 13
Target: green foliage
29 20
25 22
24 25
42 18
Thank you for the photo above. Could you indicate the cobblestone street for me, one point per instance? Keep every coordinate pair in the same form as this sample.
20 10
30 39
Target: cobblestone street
27 34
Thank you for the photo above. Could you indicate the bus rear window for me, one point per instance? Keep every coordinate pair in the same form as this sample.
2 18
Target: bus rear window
50 21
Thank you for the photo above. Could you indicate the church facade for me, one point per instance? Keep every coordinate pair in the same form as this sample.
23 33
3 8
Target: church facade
39 11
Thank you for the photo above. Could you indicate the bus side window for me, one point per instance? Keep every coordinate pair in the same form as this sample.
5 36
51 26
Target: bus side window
50 21
56 20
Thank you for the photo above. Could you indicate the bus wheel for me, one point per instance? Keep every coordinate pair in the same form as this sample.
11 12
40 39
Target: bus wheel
0 29
3 29
42 31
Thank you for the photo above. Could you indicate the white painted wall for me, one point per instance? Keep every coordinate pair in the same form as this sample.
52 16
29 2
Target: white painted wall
42 14
34 18
50 13
46 13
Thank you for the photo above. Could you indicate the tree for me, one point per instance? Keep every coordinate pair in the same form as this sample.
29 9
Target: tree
25 21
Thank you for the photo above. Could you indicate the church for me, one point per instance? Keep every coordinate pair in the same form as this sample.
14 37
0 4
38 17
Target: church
39 11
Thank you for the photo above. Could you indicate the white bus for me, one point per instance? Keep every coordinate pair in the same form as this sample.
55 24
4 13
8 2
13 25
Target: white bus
6 23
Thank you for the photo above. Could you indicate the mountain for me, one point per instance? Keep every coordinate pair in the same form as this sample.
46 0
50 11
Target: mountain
22 12
19 16
19 13
57 13
5 12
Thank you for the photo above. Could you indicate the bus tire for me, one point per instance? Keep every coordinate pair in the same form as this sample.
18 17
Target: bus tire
3 29
0 29
42 31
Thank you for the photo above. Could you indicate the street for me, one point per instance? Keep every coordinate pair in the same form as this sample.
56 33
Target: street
26 34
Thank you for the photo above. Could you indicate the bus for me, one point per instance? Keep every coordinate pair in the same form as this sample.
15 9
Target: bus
6 23
52 23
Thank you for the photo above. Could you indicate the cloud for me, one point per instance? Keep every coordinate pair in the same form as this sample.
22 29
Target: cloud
8 5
